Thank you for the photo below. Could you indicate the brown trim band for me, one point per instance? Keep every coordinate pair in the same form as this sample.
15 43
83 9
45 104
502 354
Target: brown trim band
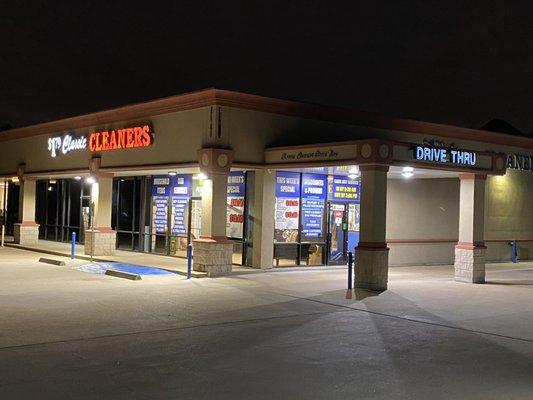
472 176
374 167
210 97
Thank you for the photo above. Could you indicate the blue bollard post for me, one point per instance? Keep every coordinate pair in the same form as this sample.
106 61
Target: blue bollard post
189 261
350 265
73 248
515 251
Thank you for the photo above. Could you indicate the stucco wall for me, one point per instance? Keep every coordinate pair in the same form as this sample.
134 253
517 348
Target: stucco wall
177 136
428 210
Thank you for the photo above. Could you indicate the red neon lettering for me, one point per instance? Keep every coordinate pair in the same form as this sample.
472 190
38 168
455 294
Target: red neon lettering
147 138
112 140
129 138
137 136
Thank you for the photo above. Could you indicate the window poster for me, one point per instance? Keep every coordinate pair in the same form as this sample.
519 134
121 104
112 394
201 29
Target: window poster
160 193
343 188
174 191
180 194
314 192
235 207
287 207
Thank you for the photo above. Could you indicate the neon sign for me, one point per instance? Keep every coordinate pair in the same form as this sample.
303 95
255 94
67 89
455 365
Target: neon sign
65 144
444 156
126 138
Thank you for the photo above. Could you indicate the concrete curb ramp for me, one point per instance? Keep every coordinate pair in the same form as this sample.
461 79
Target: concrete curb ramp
52 261
124 275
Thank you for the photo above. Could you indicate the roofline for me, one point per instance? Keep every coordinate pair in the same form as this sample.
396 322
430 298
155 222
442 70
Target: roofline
218 97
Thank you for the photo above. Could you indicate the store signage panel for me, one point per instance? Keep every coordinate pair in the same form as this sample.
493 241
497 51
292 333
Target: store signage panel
287 200
445 156
65 144
314 192
310 154
124 138
520 162
235 204
343 188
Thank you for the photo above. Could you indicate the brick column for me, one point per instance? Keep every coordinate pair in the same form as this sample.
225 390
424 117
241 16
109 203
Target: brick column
213 251
26 231
262 218
104 237
372 258
470 250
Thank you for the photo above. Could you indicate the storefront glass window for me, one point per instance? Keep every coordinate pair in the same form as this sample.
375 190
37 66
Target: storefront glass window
316 218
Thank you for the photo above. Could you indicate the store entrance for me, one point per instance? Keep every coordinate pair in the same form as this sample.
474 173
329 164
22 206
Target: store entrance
337 236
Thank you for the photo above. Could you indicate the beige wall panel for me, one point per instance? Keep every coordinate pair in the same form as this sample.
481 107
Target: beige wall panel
423 208
176 138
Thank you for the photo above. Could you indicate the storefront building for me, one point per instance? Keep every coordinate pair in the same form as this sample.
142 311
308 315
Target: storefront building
269 183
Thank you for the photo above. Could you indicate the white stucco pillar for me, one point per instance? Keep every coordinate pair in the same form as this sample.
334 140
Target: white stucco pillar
212 252
372 256
26 231
101 241
470 250
262 218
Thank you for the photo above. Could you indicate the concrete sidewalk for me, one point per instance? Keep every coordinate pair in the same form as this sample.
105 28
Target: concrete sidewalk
70 335
174 264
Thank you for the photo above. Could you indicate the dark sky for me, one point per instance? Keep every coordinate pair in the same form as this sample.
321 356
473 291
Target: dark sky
439 61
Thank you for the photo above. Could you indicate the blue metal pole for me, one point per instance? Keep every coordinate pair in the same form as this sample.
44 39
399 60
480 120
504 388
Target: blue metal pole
73 249
350 265
189 261
515 251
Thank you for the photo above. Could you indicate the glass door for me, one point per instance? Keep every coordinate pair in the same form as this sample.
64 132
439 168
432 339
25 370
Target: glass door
337 233
195 219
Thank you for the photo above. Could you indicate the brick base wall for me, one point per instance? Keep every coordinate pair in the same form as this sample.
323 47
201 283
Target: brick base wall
212 257
371 269
470 265
26 235
105 242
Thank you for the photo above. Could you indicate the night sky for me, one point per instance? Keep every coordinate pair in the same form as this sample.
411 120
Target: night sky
438 61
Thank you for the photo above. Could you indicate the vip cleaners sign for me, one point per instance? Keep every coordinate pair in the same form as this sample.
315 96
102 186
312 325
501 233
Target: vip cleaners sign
444 156
65 144
97 142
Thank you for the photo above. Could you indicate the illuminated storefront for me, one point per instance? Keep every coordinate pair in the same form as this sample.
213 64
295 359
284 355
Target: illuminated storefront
269 183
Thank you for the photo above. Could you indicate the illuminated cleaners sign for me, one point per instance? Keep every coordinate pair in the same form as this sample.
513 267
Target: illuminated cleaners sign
126 138
444 156
65 144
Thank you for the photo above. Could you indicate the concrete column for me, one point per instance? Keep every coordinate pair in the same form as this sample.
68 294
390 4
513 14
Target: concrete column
213 251
214 206
26 231
470 250
262 219
105 238
372 258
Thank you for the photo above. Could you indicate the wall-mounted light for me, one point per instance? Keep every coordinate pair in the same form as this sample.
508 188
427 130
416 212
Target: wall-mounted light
408 172
90 180
353 172
15 179
172 173
52 181
78 178
201 176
